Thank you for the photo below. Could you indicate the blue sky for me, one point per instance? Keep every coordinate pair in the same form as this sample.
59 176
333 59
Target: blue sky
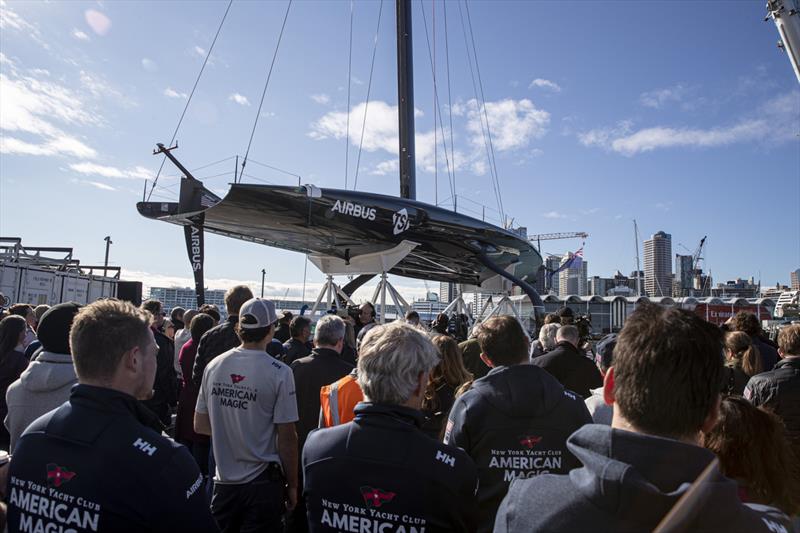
600 113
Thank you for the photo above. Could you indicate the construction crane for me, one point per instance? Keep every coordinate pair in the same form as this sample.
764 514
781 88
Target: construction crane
555 236
696 262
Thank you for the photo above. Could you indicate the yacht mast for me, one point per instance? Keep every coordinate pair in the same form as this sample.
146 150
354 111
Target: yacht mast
405 98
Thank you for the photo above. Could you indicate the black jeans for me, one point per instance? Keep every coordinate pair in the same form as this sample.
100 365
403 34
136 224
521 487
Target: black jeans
251 507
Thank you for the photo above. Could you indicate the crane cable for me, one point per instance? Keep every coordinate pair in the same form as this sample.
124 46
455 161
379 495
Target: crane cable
266 84
349 85
188 100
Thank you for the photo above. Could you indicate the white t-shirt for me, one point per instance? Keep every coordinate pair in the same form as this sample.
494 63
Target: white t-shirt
245 393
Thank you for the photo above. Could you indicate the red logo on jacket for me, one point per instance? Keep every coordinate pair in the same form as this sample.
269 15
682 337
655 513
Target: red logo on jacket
376 497
529 441
57 475
236 378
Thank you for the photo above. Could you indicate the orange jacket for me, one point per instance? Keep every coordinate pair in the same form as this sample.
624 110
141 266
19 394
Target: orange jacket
338 400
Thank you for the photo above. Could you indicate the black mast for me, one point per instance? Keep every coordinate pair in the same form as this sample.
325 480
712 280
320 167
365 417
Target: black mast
405 96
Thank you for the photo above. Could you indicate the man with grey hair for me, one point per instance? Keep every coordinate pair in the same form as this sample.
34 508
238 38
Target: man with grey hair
569 365
380 471
312 372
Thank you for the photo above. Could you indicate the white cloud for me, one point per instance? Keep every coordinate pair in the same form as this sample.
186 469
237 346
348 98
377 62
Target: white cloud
149 65
11 20
545 84
513 123
97 184
96 20
199 51
81 36
776 121
100 88
239 99
323 99
172 93
554 214
93 169
32 107
659 97
388 167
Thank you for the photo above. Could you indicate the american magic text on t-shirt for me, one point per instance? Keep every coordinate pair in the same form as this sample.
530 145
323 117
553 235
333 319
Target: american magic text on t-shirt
48 510
369 519
234 395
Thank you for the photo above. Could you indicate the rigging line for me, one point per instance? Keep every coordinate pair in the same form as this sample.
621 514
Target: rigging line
436 95
475 91
266 84
188 100
214 163
349 85
276 168
262 180
435 105
483 98
369 88
450 107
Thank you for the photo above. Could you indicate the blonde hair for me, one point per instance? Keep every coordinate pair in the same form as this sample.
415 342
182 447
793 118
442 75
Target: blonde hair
745 354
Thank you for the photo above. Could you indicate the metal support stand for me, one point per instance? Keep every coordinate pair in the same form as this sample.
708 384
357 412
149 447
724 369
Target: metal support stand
458 307
503 307
400 305
329 292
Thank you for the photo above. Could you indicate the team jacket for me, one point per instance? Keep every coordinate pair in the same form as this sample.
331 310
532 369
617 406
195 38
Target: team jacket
628 482
96 464
514 423
380 473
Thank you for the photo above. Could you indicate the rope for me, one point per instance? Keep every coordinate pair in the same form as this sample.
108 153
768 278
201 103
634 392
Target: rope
436 98
266 84
450 108
435 107
475 90
349 85
188 100
366 104
298 176
486 115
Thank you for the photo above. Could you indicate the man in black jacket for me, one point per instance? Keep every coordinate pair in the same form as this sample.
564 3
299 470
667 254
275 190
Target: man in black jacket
99 462
165 387
664 387
779 389
380 472
221 338
568 365
514 422
298 346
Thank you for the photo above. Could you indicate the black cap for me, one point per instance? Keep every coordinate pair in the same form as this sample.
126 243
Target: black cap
53 330
605 351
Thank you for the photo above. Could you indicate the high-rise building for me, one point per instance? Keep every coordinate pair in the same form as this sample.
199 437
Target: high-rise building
684 275
795 280
658 265
448 291
550 283
738 288
573 280
600 286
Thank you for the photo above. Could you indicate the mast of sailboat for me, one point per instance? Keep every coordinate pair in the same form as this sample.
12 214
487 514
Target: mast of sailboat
405 97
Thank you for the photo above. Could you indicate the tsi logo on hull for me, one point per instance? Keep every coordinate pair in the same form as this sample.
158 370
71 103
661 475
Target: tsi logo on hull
354 210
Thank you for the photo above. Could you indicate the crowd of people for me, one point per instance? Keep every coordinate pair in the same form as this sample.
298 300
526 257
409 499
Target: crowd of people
124 418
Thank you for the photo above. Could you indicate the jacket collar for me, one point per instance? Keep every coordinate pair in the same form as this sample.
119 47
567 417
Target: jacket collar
52 357
567 347
794 362
325 352
399 413
114 402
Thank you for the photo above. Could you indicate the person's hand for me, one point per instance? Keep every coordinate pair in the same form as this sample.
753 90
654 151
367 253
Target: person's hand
291 498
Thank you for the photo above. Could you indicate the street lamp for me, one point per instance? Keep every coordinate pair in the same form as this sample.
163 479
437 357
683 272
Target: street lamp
263 275
108 245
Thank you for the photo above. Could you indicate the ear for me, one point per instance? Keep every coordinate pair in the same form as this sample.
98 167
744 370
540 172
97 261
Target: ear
713 415
608 386
132 359
486 360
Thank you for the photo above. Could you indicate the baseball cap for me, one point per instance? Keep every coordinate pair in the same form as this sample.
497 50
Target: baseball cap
257 313
605 350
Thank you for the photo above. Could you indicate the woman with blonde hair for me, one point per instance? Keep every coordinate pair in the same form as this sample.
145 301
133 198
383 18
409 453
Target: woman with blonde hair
445 378
742 361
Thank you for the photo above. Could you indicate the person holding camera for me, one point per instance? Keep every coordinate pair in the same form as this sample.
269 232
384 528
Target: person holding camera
364 322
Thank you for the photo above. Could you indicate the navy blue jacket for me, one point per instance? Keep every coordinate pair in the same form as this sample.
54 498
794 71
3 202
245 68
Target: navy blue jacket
629 482
97 464
514 423
381 473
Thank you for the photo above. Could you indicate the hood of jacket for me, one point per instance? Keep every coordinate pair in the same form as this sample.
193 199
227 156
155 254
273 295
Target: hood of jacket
520 390
50 371
625 470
